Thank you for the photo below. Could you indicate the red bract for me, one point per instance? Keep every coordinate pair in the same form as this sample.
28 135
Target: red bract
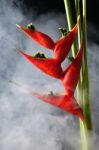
72 72
47 65
41 38
63 101
61 48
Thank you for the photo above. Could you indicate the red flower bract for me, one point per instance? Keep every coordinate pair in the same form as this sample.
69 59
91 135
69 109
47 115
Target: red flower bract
62 46
41 38
63 101
47 65
72 72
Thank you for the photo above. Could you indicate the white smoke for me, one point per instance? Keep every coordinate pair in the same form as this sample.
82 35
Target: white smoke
25 122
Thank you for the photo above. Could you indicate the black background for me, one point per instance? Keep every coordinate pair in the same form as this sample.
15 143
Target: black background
44 6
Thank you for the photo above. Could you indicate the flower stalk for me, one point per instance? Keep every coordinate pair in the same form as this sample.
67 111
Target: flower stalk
83 85
86 92
70 23
86 97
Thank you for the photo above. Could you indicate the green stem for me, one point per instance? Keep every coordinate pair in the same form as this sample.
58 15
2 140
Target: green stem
83 85
70 23
79 91
86 98
77 4
83 136
79 88
86 143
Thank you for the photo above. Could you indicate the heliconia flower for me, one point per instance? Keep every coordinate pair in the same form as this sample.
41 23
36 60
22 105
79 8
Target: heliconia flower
72 73
61 48
63 101
48 65
52 67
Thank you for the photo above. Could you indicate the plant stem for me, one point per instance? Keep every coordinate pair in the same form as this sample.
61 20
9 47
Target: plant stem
70 23
86 97
77 5
79 91
83 85
78 13
87 142
86 100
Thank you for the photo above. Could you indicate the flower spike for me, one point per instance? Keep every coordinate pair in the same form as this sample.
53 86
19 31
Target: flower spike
63 101
48 65
52 67
72 72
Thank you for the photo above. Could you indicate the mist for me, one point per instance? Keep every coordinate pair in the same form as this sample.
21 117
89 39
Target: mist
26 122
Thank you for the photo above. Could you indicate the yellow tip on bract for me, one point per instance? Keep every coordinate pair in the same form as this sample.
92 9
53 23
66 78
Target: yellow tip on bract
17 25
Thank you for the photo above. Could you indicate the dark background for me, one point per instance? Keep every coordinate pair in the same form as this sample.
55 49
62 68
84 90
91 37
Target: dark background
44 6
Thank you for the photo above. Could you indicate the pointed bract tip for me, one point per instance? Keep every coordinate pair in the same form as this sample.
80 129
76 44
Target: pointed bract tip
17 25
17 49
